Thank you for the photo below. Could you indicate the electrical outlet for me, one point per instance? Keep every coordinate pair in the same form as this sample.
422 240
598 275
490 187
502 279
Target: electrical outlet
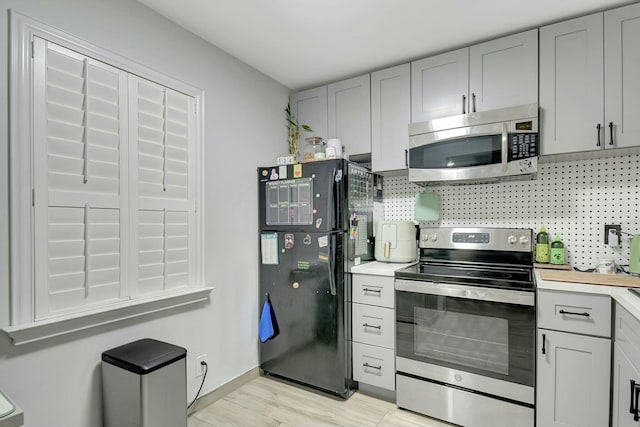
199 367
612 235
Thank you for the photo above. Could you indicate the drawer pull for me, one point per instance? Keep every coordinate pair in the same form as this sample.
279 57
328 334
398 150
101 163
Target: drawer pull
365 290
366 325
366 365
585 314
633 386
544 339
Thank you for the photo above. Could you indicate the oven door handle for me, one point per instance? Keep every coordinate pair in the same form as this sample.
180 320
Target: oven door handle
507 296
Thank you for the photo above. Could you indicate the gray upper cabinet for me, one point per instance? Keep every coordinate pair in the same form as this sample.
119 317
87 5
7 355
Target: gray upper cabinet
350 114
504 72
583 78
310 108
439 85
571 85
622 76
496 74
390 116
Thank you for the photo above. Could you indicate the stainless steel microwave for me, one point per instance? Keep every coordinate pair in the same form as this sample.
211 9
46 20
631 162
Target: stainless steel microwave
484 146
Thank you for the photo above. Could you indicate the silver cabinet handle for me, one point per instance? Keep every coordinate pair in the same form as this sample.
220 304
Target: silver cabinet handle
378 291
366 325
366 365
473 98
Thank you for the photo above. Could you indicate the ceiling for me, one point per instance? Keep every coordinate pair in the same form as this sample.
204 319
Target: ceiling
304 43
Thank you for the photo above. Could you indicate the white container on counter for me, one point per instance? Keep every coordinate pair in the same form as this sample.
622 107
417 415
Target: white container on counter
396 241
606 266
334 148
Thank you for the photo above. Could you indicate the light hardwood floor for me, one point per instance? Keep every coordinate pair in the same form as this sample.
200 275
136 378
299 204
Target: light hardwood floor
265 402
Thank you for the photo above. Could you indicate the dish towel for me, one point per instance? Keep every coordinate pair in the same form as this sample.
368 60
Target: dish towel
268 327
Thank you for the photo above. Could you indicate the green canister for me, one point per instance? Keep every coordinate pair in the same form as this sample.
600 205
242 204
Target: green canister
557 251
542 246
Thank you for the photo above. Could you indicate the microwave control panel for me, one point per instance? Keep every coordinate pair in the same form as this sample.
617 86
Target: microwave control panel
523 145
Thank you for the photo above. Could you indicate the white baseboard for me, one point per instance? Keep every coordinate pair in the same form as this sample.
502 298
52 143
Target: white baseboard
224 389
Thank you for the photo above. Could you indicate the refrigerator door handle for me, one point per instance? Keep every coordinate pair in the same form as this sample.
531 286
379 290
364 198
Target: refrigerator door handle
331 263
330 202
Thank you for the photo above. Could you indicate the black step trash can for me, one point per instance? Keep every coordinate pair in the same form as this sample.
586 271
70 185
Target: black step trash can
144 384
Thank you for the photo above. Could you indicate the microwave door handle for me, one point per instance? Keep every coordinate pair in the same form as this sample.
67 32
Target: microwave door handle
505 153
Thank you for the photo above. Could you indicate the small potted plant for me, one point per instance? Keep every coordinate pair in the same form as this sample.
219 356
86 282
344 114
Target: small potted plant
294 133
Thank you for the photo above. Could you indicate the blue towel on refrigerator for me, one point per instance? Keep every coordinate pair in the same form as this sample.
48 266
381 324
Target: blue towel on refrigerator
268 327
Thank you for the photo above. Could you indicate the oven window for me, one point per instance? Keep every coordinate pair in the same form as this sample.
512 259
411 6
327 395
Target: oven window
487 338
475 341
459 153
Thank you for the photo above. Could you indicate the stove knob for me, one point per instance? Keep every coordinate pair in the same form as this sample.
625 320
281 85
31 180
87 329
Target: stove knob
434 237
425 237
524 240
512 239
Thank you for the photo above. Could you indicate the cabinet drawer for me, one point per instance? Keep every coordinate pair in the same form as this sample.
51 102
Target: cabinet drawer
373 325
627 334
374 365
574 312
374 290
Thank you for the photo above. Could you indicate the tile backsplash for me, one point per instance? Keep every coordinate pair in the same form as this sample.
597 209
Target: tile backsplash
573 198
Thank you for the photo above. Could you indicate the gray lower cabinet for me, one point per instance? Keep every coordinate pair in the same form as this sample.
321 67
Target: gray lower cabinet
626 370
573 380
625 378
573 359
373 328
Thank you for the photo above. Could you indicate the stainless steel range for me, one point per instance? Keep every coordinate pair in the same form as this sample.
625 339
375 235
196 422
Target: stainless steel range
465 328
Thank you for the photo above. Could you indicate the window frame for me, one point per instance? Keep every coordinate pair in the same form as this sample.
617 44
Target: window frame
22 186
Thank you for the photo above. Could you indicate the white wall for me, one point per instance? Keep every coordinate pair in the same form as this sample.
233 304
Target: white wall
57 382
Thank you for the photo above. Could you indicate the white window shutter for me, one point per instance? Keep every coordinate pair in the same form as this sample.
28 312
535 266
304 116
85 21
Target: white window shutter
162 179
80 113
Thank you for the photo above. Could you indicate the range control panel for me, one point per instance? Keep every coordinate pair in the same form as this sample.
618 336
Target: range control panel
497 239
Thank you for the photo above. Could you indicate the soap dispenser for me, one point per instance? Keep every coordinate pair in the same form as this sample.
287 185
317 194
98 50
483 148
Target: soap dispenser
557 251
542 246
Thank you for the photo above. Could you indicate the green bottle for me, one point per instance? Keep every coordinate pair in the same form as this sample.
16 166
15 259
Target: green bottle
542 246
557 251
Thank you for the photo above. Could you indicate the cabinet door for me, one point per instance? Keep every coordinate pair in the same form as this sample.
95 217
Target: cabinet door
571 86
573 380
504 72
439 86
309 107
350 113
623 389
622 76
390 117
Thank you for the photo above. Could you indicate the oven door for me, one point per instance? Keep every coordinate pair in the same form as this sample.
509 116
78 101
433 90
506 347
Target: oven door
463 153
482 339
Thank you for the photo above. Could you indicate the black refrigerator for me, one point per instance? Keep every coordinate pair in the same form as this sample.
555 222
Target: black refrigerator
315 222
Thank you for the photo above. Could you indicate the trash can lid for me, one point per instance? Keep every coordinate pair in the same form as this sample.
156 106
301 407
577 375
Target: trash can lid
144 356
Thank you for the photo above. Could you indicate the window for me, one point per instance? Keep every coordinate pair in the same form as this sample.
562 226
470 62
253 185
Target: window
110 163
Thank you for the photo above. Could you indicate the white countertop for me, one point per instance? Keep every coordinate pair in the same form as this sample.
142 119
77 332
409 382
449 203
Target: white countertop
620 294
378 268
